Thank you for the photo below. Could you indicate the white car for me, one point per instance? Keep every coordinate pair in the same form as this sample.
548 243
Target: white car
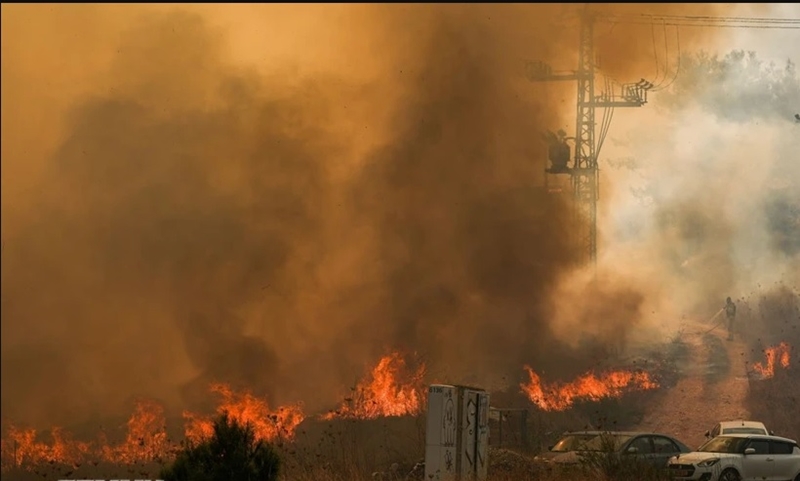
737 427
740 457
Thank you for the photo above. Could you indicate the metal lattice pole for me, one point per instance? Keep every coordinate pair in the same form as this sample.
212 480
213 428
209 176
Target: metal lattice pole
585 176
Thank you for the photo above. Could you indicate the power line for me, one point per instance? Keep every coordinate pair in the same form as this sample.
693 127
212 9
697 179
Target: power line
655 54
677 24
702 21
584 172
678 68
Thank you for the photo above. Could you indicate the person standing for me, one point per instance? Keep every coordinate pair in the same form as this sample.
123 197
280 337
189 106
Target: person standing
730 313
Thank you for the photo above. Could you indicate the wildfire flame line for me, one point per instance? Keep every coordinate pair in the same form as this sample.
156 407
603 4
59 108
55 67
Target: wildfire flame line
146 439
776 355
391 389
561 396
383 394
267 425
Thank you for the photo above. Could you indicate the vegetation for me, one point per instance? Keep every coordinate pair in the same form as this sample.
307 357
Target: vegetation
737 86
232 452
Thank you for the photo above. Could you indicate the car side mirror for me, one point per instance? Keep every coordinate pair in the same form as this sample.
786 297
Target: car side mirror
772 433
708 434
750 451
633 450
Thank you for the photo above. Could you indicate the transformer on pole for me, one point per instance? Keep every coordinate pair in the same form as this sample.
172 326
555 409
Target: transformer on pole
584 173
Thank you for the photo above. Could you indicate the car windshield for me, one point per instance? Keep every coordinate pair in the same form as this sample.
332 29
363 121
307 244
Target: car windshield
723 444
743 431
606 442
573 442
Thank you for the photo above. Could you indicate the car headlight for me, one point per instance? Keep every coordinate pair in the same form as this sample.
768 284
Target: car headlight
708 463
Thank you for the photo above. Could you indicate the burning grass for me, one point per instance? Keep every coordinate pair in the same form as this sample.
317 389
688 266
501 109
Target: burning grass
380 428
777 357
590 386
774 392
268 424
392 389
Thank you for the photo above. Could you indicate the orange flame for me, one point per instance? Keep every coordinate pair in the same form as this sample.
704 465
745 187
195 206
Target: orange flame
21 447
245 408
775 355
559 397
384 394
146 439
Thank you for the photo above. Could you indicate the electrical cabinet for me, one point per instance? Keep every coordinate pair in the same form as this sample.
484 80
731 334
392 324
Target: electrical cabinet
457 433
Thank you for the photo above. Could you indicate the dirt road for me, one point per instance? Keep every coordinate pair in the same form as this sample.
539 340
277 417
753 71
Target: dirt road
712 388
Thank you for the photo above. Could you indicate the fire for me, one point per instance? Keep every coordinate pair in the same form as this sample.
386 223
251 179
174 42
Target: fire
392 389
21 447
146 439
779 354
268 425
559 397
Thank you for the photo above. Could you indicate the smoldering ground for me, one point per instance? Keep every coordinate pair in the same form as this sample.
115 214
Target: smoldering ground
198 220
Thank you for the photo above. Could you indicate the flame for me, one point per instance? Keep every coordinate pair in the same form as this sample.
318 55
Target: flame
559 397
146 439
21 447
384 393
775 354
268 425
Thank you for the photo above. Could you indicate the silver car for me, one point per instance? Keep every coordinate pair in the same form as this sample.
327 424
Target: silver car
738 427
740 457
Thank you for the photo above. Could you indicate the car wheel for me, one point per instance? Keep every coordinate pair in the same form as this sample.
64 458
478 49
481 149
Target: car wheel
730 475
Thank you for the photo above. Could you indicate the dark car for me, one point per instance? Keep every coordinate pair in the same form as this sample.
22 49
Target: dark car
652 448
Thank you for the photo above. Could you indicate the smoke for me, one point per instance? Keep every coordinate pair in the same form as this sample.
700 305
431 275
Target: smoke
712 209
178 216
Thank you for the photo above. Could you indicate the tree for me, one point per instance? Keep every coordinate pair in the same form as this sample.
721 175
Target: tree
232 453
738 87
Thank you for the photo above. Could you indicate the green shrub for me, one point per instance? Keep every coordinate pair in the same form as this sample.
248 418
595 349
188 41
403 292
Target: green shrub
232 453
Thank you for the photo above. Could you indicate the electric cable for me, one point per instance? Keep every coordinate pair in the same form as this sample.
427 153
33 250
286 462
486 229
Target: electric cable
678 68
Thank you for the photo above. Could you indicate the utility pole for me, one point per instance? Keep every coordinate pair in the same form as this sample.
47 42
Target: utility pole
584 174
585 188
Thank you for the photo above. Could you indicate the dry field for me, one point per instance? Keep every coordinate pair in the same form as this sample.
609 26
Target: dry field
700 376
